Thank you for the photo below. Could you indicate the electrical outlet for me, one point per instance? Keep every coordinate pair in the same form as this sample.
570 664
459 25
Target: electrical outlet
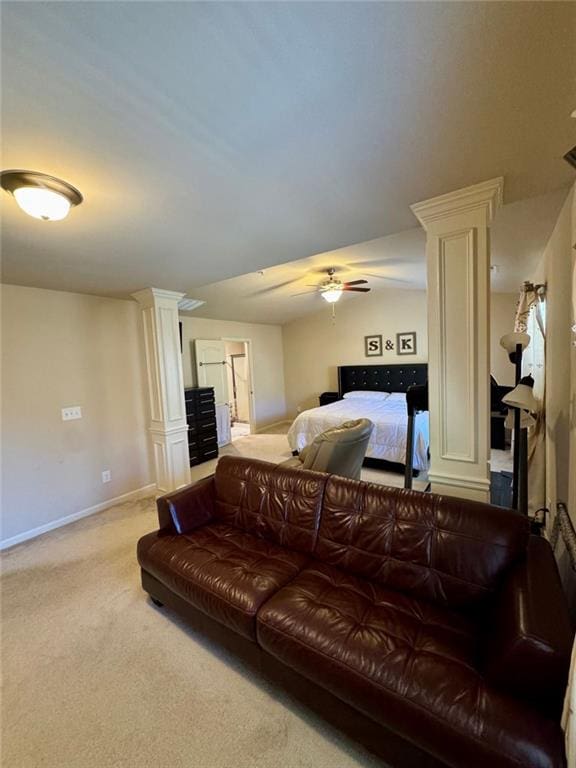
72 412
106 476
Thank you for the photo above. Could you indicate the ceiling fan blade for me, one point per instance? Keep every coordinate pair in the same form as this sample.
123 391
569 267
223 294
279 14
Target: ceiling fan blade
394 262
385 277
302 294
358 290
271 288
356 282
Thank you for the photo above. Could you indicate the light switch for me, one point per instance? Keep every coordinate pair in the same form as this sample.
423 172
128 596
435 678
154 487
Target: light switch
72 412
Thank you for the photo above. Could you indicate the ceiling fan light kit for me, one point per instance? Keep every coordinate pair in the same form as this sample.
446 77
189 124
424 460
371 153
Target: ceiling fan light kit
39 195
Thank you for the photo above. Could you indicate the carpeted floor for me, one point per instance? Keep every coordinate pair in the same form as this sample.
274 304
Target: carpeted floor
96 677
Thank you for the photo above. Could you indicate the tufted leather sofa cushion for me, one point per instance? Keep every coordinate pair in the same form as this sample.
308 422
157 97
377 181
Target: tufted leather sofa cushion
408 664
270 502
445 549
224 572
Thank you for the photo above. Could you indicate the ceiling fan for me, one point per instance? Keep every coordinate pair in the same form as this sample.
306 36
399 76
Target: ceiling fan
333 288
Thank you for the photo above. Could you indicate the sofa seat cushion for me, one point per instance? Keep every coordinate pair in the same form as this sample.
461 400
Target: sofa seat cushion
406 663
224 572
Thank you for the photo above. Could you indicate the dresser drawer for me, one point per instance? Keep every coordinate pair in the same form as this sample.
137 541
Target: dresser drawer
195 458
207 440
207 424
200 410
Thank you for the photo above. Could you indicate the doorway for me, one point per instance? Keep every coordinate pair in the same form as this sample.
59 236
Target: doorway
238 370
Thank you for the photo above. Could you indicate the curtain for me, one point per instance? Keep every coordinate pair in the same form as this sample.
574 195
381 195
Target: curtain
531 319
526 301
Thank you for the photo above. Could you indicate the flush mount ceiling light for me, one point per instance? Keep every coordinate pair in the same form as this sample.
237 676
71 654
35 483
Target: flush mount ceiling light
39 195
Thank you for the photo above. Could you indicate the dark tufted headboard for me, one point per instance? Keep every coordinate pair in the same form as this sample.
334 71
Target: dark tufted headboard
381 378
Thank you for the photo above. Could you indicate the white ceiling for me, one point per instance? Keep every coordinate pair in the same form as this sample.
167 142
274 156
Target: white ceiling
282 293
215 139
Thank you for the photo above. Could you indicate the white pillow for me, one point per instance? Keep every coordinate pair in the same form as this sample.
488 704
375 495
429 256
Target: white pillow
366 394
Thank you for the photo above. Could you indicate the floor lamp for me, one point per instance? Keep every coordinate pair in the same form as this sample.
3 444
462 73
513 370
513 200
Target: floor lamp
521 399
515 344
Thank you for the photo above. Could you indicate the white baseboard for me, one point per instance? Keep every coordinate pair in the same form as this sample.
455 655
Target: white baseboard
32 533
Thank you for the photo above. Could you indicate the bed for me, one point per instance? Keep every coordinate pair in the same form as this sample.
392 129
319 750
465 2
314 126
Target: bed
378 393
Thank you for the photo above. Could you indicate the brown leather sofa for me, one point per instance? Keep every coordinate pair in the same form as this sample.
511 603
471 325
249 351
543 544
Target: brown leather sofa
432 629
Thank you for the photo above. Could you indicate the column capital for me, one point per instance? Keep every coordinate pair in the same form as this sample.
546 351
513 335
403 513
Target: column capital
486 196
147 297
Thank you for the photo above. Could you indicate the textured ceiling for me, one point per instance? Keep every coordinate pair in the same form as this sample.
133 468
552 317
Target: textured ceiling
215 139
279 294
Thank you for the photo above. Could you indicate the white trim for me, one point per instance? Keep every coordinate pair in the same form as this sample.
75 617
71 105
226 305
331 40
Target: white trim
487 195
33 532
460 481
149 296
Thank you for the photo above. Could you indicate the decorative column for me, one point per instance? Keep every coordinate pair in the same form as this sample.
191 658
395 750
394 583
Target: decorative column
458 256
168 427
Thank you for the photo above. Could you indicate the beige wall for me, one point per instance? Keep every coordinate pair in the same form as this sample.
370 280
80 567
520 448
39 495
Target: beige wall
502 313
61 349
557 269
314 346
267 361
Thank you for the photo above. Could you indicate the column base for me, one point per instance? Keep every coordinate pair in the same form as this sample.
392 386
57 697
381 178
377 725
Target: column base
170 451
474 488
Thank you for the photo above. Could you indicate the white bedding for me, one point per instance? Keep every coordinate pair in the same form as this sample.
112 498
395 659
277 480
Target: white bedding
390 419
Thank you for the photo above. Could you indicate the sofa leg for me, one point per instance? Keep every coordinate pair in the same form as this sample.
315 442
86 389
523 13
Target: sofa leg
156 602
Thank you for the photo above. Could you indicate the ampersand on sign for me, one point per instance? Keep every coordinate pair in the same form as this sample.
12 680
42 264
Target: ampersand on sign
389 345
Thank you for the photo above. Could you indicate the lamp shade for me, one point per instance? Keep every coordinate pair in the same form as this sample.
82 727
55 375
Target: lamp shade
522 396
332 294
39 195
511 340
42 203
526 420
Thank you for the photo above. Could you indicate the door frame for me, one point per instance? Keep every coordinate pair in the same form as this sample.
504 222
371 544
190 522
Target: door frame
251 396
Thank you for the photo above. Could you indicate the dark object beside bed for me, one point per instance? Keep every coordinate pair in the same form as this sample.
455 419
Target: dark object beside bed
435 628
328 397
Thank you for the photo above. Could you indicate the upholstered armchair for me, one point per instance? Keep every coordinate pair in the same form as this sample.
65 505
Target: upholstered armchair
339 450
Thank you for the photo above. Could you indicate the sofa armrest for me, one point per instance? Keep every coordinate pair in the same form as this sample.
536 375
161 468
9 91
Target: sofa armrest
189 508
530 635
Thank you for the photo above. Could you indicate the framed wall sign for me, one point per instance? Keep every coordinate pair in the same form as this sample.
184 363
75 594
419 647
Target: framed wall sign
373 346
406 343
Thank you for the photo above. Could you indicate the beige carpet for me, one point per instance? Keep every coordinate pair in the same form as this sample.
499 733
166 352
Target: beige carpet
95 676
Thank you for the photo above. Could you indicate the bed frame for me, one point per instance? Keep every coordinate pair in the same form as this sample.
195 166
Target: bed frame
381 378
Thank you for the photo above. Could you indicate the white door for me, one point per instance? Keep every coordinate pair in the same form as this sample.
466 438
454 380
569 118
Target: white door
211 372
211 367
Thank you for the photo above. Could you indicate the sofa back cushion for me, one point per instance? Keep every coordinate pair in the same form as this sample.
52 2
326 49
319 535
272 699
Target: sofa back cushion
280 505
439 548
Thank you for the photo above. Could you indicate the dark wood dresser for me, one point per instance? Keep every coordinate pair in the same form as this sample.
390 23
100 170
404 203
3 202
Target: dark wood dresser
201 418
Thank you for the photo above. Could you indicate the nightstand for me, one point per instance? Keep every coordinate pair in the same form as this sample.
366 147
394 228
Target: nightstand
329 397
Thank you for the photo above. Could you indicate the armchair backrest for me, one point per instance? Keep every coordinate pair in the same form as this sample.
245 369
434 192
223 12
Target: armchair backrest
340 450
